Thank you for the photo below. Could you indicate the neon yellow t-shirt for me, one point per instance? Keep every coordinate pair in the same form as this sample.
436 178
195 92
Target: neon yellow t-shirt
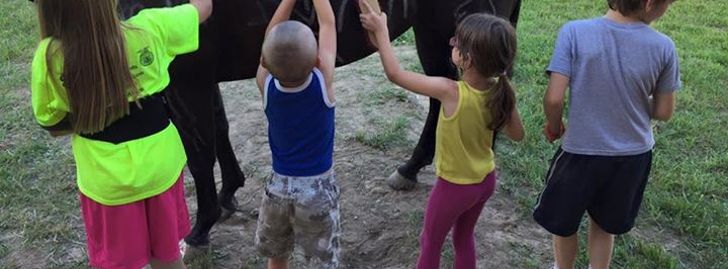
116 174
463 153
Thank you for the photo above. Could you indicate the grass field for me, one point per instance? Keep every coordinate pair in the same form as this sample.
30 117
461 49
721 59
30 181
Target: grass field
686 202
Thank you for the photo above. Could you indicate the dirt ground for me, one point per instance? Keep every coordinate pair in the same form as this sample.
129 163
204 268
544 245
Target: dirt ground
380 227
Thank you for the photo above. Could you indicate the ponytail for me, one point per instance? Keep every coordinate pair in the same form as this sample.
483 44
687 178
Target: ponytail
501 103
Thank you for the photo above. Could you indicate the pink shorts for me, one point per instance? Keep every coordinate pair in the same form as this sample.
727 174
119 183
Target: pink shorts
128 236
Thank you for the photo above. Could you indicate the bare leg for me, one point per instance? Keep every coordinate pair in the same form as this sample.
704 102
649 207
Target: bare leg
565 249
601 244
277 263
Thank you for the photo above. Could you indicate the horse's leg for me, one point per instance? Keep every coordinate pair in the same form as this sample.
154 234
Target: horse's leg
192 106
434 54
232 177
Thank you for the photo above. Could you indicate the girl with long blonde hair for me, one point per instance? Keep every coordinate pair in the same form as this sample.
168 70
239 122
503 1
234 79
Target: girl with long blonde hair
99 79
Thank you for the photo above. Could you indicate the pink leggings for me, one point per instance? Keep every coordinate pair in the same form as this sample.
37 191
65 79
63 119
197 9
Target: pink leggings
457 207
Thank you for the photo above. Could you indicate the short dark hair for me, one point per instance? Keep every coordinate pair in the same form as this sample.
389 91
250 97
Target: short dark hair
628 7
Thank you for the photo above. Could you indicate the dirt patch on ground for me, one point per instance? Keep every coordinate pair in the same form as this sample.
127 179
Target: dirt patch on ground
377 126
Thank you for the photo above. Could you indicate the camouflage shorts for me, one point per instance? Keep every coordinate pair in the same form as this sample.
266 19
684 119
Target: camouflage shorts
304 211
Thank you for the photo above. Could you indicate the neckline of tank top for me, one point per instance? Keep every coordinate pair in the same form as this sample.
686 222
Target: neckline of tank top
296 89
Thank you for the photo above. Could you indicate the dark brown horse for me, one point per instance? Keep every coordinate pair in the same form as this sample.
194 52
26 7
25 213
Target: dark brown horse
230 44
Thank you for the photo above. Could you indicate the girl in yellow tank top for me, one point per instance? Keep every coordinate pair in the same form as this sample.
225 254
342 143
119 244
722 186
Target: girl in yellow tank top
484 47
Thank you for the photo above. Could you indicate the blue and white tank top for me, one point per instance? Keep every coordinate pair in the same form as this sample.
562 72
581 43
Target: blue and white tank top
300 126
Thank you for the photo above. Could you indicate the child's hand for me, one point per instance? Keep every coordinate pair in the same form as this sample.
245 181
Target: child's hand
552 135
372 22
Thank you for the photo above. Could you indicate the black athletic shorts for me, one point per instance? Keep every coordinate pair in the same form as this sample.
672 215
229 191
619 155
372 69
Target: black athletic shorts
609 188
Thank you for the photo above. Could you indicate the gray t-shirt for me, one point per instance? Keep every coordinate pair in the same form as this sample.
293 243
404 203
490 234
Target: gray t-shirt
613 69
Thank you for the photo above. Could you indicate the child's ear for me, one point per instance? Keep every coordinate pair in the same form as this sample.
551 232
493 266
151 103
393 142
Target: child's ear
649 5
466 61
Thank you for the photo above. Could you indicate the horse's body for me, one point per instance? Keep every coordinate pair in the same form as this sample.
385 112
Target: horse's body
230 43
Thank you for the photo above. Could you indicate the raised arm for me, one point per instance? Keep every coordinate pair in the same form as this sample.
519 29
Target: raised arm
553 106
204 8
283 13
440 88
327 41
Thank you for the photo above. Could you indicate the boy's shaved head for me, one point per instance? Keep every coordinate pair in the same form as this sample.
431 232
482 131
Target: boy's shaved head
290 51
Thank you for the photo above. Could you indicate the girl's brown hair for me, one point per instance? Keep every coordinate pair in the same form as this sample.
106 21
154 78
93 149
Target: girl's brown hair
489 44
96 75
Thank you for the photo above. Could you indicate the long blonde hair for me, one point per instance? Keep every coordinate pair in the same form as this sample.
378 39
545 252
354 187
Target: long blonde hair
95 72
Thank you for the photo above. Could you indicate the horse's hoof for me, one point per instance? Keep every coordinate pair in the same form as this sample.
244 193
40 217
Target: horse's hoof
227 200
228 205
398 182
226 214
196 239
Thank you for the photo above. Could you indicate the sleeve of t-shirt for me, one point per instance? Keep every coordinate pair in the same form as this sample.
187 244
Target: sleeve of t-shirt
561 59
46 101
178 27
669 79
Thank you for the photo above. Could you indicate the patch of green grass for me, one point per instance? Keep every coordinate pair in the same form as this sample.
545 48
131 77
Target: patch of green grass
635 253
205 259
383 95
17 42
412 227
406 39
80 264
525 253
9 266
413 66
38 198
4 250
253 261
386 134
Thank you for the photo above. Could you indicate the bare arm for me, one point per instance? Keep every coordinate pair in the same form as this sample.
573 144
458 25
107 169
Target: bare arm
260 75
441 88
327 42
514 127
553 105
204 8
283 13
663 105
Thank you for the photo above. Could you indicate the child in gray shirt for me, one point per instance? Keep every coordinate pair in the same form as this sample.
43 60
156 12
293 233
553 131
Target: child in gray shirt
620 73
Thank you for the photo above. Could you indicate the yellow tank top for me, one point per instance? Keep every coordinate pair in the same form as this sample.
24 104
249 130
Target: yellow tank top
463 153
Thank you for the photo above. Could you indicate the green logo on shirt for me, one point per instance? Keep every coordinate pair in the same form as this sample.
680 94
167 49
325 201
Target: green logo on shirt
146 57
